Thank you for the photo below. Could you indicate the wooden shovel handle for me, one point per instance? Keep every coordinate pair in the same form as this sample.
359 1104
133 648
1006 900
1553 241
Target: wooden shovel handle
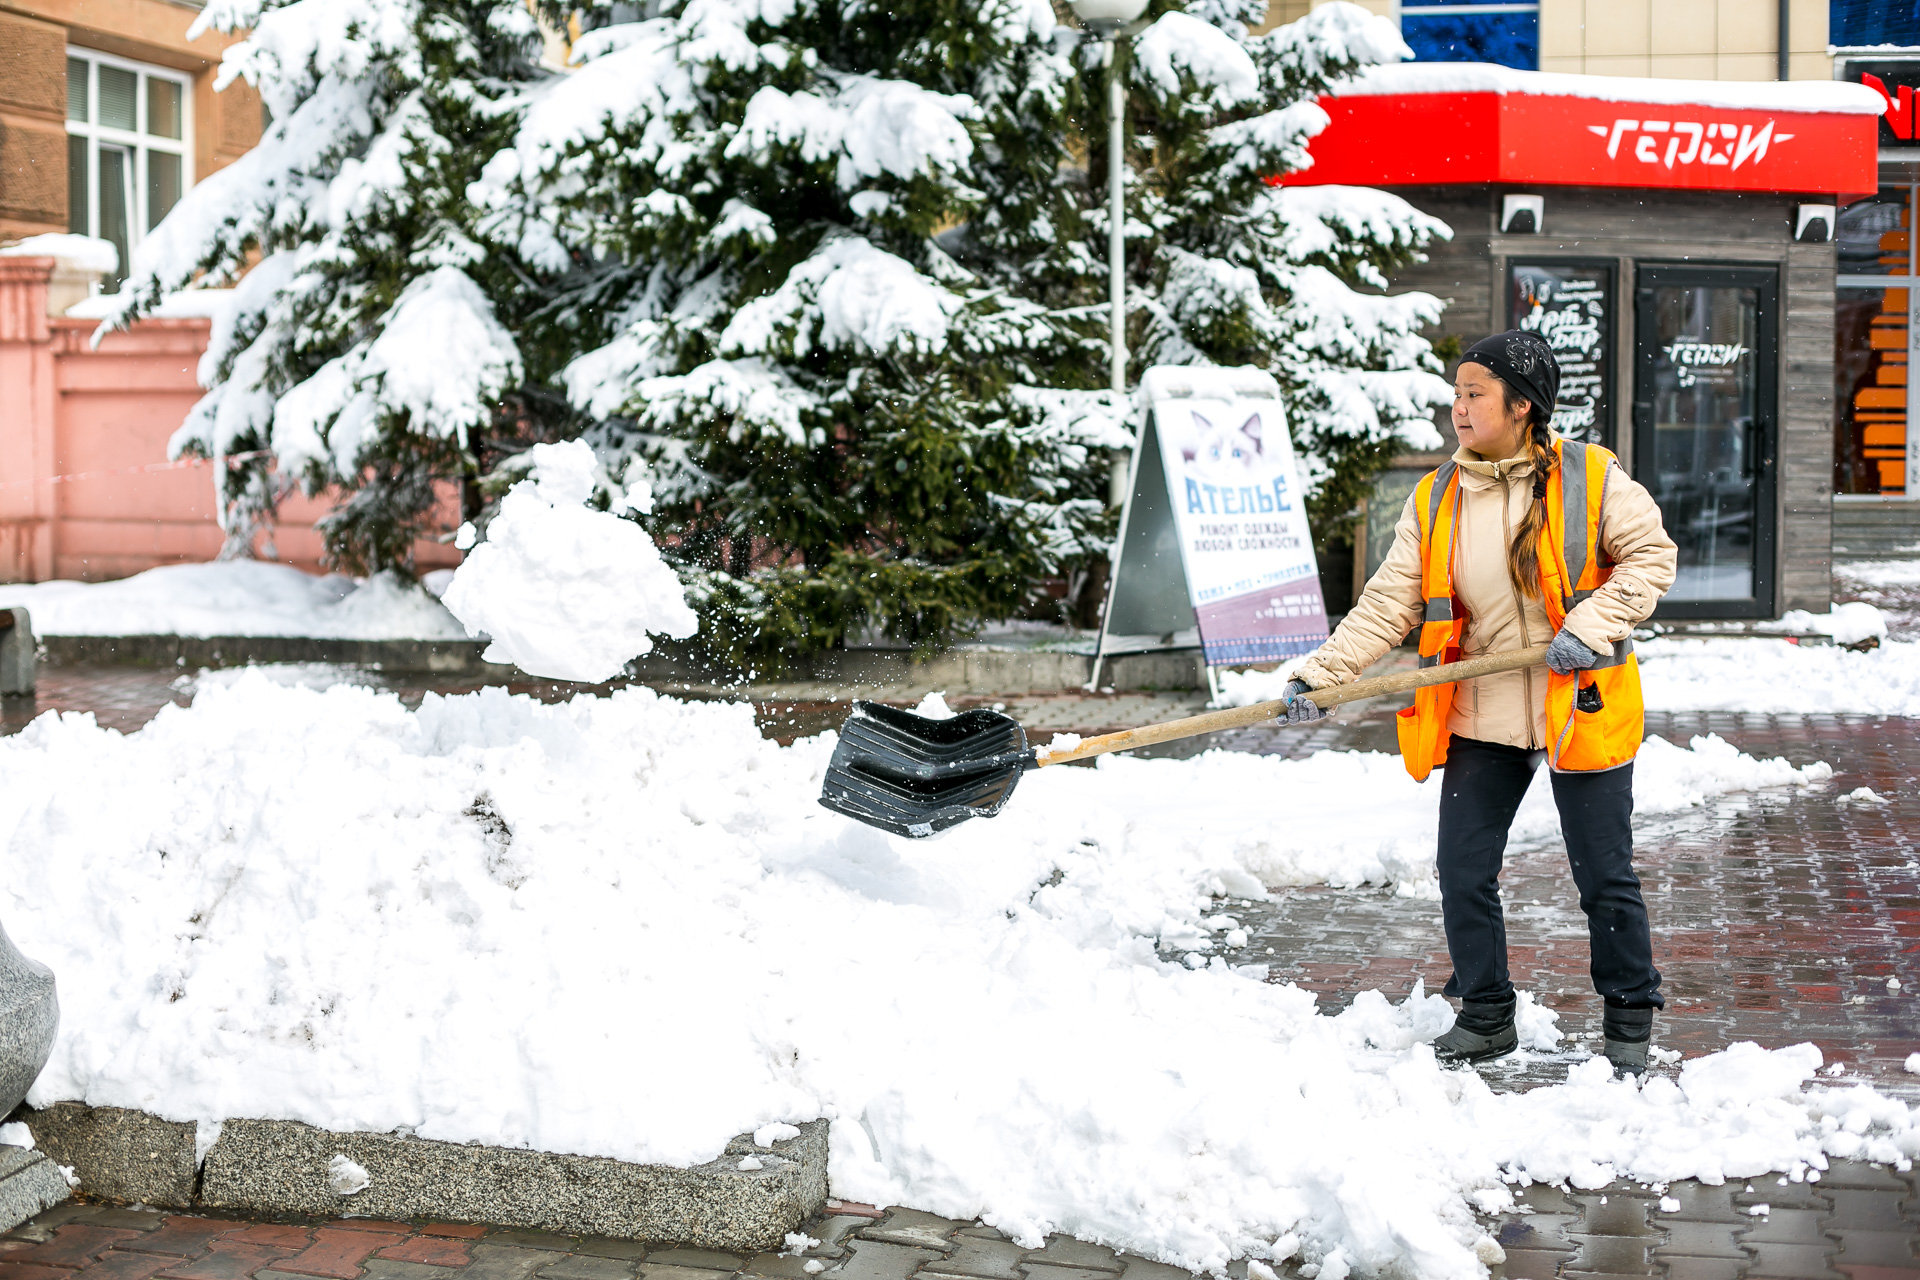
1261 712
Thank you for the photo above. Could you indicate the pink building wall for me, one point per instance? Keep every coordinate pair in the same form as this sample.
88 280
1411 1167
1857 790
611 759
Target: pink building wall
67 408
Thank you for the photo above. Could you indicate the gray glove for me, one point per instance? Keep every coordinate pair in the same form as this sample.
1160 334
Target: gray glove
1300 708
1569 653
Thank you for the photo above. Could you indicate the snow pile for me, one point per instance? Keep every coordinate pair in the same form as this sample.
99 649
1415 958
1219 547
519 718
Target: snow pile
1197 826
185 304
566 591
83 253
1778 676
1879 573
235 598
1848 623
428 916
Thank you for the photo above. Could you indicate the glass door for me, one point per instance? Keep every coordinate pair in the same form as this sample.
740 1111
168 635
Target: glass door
1705 431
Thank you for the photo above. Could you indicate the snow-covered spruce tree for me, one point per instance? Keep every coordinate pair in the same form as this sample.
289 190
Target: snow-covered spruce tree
369 348
854 421
1230 270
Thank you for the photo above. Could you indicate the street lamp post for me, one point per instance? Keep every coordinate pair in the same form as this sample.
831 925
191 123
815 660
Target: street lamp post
1112 20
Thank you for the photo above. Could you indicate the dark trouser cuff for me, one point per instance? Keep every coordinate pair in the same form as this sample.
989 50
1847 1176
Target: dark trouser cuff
1486 1016
1630 1025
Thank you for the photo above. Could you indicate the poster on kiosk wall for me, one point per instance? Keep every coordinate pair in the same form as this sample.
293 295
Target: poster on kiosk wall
1214 549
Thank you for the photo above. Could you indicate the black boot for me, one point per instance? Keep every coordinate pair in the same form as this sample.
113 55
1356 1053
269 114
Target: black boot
1483 1030
1628 1031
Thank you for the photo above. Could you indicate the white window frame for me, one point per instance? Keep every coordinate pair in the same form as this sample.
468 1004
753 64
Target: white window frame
138 141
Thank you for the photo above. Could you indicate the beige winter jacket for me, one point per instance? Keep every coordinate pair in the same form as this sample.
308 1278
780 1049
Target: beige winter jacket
1509 708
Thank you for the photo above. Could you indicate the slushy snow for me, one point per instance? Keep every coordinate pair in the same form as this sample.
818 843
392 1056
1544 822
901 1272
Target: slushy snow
1744 673
1762 675
471 920
235 598
565 591
1849 623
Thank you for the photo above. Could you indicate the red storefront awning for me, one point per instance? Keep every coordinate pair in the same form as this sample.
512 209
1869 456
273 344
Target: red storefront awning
1458 123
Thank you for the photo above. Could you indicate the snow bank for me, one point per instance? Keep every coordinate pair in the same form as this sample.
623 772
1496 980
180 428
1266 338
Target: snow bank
1778 676
1879 573
235 598
83 253
1738 674
186 304
566 591
1848 623
472 920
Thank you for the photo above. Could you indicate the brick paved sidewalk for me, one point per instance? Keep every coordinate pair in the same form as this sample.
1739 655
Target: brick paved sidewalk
1857 1223
1778 916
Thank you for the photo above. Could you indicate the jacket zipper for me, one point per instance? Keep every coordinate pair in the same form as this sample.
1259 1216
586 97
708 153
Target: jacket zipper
1519 605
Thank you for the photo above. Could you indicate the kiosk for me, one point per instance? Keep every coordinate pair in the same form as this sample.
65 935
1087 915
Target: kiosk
1674 241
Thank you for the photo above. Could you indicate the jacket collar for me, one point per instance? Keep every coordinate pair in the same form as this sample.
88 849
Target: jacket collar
1471 463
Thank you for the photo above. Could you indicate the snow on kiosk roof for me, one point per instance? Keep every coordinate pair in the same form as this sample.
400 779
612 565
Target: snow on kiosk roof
1458 123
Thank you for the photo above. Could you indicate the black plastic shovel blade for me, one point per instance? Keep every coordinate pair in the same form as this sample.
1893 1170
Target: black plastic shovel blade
916 776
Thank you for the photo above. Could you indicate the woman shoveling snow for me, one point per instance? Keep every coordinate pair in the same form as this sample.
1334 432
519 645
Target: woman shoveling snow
1522 535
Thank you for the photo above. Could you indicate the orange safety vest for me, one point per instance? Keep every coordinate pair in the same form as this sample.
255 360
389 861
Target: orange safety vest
1595 718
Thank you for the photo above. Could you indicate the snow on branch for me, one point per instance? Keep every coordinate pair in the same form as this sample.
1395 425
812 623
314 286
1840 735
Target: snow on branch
440 360
1351 230
600 382
1093 419
1179 49
848 294
1330 42
636 74
1361 404
1345 325
756 394
871 127
1272 142
291 50
441 356
1323 223
334 148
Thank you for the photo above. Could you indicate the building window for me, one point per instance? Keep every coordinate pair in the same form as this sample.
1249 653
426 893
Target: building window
1463 31
129 148
1866 23
1872 324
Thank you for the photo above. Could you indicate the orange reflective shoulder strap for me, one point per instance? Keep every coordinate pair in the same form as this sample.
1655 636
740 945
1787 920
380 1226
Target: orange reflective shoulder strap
1436 564
1586 472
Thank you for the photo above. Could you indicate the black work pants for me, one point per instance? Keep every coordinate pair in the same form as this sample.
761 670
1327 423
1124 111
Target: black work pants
1481 789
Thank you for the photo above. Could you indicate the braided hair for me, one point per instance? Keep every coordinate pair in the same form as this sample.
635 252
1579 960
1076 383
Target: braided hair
1523 555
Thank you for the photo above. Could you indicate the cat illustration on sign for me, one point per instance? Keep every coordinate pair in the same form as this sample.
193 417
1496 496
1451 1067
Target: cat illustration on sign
1220 451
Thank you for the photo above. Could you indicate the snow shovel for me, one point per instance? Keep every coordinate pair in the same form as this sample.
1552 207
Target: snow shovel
915 776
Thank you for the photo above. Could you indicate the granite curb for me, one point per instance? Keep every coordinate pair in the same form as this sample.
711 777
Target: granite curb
29 1184
284 1167
848 672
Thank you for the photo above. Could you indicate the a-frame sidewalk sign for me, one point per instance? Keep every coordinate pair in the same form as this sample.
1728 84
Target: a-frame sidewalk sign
1214 551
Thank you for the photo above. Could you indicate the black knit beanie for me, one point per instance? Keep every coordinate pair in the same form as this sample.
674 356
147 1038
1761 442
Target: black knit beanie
1523 361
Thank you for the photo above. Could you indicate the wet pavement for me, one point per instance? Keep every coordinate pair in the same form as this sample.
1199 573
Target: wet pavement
1856 1222
1779 916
